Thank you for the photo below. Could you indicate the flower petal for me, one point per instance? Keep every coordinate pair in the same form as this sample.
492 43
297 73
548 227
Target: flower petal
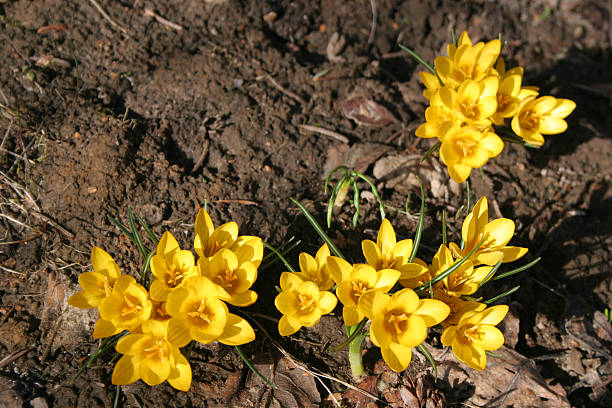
154 371
387 278
178 332
351 315
432 311
371 252
373 303
288 326
489 337
103 263
397 356
512 253
167 246
338 268
237 331
180 375
470 355
550 125
448 335
105 328
327 302
308 264
386 237
125 371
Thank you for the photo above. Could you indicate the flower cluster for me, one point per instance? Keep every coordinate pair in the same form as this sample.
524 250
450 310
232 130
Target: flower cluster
472 93
399 319
186 301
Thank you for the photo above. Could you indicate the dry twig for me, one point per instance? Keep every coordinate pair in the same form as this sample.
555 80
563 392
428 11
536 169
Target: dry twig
326 132
107 17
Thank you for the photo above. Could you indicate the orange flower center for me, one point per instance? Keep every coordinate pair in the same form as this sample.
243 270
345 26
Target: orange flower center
226 279
155 351
469 109
530 121
174 277
130 307
305 302
465 146
200 315
359 288
397 322
466 334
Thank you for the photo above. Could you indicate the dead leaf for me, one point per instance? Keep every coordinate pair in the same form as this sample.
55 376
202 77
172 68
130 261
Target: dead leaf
367 112
509 380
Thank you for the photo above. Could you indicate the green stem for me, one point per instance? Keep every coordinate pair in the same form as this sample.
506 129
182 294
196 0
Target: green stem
355 360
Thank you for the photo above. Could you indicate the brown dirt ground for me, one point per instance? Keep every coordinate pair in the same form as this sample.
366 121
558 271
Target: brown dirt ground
97 117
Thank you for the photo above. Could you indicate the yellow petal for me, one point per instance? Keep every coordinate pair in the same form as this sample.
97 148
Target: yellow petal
105 328
432 311
93 284
371 253
491 316
243 299
414 331
289 281
154 371
402 249
489 337
386 237
180 375
492 143
397 356
167 246
470 355
178 332
103 263
387 278
287 302
237 331
373 303
405 300
308 264
459 173
327 302
248 249
351 315
489 258
178 301
549 125
512 253
338 268
366 274
448 335
83 300
498 232
125 372
411 270
247 274
130 344
158 266
344 291
379 333
204 226
159 291
563 108
287 326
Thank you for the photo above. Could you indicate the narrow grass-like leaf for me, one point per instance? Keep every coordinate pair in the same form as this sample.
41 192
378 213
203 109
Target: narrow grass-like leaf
252 368
332 173
448 271
147 229
506 293
381 206
353 332
467 209
136 235
355 202
105 344
286 247
444 227
453 37
146 268
332 198
419 59
419 231
318 229
121 227
517 270
491 273
430 151
429 358
280 256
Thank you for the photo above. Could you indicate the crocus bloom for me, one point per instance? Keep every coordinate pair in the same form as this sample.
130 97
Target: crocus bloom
387 253
301 303
151 357
198 314
474 334
248 249
234 279
315 269
209 240
465 148
496 235
457 305
466 61
124 309
474 101
355 280
400 322
97 285
170 266
541 116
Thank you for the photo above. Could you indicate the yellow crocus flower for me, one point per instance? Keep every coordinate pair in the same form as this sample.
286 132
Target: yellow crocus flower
465 148
475 334
124 309
400 322
387 253
151 357
496 235
234 280
354 281
208 239
97 285
198 314
457 305
170 266
315 269
541 116
301 303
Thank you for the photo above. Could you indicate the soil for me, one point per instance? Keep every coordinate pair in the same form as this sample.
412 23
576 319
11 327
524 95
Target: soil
168 106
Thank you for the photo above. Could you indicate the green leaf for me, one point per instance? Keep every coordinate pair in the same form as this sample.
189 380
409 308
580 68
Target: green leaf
278 254
419 231
517 270
332 198
381 206
491 273
252 367
506 293
318 229
429 358
419 59
136 235
353 332
355 202
430 151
